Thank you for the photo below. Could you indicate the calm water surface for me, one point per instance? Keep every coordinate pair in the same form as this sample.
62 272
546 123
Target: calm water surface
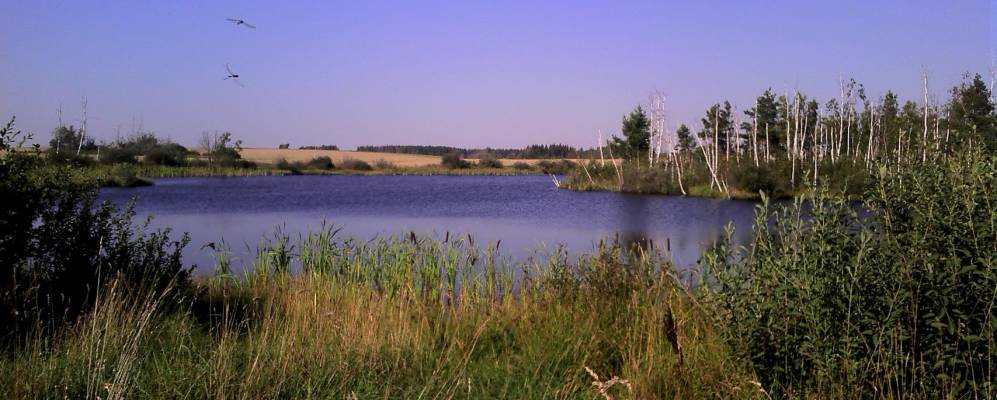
527 213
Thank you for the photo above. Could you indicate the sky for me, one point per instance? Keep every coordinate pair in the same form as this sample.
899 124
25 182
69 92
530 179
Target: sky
460 73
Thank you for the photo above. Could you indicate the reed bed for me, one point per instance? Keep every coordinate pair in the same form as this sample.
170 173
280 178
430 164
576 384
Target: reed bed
400 317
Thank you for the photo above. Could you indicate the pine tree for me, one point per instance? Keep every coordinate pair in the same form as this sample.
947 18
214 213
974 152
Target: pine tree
686 141
636 136
972 111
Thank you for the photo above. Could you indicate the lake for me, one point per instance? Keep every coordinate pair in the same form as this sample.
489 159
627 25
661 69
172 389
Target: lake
527 213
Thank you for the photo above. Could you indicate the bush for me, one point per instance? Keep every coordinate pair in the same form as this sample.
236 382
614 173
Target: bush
114 155
125 175
521 165
282 163
384 164
57 244
70 158
170 154
321 162
562 167
489 160
754 180
454 160
354 164
901 299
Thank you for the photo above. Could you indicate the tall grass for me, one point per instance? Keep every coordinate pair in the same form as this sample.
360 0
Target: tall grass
897 301
401 317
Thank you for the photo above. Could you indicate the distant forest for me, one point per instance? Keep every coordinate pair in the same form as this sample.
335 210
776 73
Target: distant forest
531 151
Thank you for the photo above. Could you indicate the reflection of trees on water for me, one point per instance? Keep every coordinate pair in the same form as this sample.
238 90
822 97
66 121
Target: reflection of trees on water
635 232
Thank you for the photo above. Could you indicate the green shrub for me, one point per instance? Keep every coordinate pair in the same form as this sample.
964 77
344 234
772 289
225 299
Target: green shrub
57 244
383 164
169 154
562 167
899 302
356 165
454 160
760 179
321 162
488 160
114 155
521 165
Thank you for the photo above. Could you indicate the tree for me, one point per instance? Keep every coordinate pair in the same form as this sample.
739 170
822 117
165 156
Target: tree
68 137
717 126
686 141
769 124
636 135
971 111
216 147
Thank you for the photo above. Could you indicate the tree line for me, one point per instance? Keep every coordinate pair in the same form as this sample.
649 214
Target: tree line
804 137
528 152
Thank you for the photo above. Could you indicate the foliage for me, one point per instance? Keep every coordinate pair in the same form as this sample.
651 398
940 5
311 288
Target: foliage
636 136
116 155
532 151
897 299
559 167
57 245
398 317
972 110
322 147
66 139
356 165
321 162
489 160
454 160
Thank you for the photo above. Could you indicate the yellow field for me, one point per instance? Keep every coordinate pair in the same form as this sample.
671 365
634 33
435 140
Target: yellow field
270 155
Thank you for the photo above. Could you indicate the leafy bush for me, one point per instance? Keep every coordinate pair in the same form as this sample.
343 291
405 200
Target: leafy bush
762 179
454 160
354 164
562 167
115 155
169 154
321 162
899 302
56 245
70 158
521 165
489 160
384 164
66 140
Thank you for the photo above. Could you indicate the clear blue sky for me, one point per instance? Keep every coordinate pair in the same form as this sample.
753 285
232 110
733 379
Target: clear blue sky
463 73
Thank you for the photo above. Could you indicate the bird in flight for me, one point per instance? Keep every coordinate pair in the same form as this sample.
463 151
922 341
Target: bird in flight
240 22
232 75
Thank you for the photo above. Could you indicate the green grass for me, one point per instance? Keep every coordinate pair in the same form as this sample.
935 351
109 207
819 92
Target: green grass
400 318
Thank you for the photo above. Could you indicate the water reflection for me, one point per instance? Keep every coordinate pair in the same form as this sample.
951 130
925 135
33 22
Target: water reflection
524 212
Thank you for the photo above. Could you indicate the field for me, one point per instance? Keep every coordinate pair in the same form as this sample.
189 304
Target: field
269 155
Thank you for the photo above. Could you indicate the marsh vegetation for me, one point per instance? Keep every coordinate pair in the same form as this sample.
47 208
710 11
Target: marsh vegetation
825 302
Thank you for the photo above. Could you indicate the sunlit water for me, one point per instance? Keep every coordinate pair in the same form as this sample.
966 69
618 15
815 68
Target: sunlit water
527 213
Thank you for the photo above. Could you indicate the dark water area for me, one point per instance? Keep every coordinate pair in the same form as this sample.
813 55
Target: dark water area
527 213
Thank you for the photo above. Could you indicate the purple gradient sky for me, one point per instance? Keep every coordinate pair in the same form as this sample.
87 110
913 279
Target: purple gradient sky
468 73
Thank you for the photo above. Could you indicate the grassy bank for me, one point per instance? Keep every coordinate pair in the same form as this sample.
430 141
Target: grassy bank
396 318
142 175
740 180
823 303
897 301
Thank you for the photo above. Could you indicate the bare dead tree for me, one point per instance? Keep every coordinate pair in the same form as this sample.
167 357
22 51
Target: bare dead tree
83 127
754 133
601 145
924 136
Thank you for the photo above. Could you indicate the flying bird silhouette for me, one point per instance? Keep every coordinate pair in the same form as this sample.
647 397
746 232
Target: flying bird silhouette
232 75
240 22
